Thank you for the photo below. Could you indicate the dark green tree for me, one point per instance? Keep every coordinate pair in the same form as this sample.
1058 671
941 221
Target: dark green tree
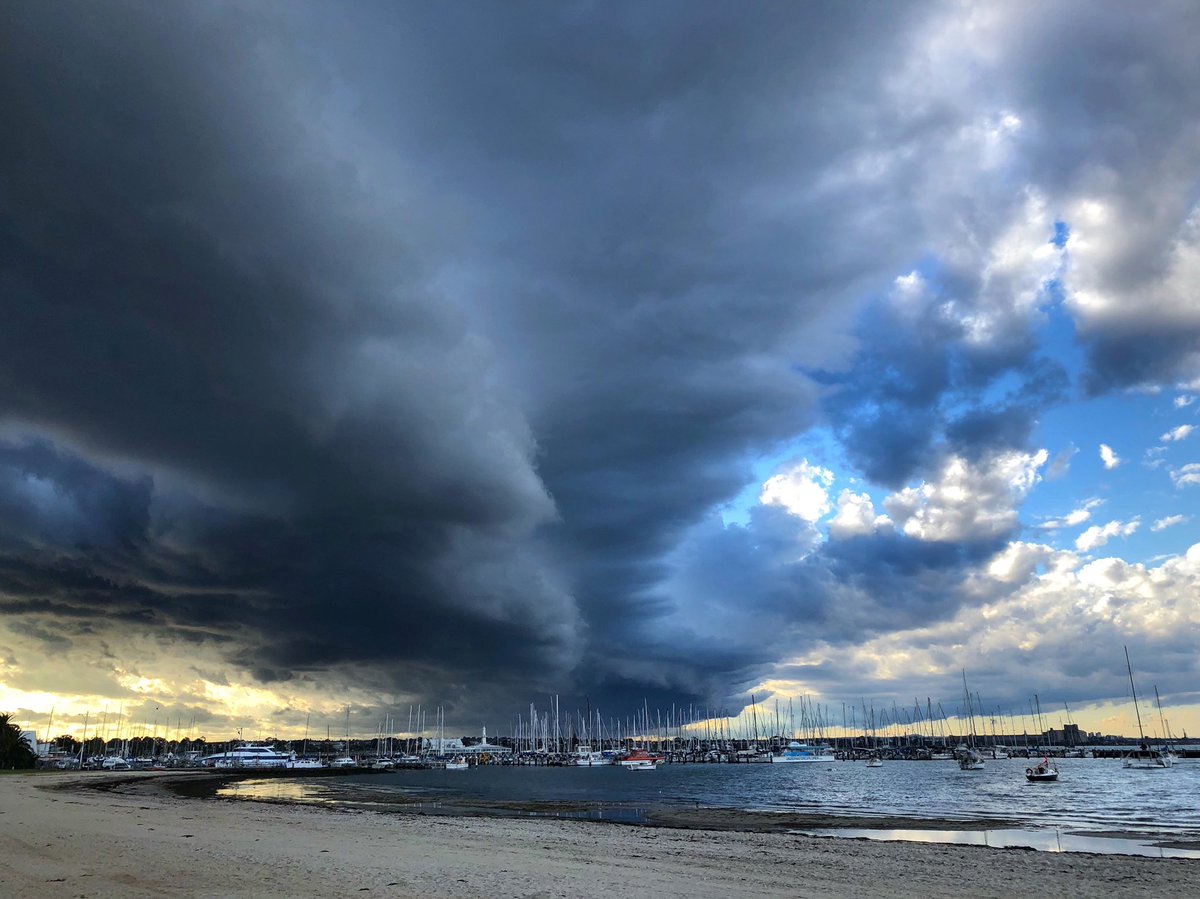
15 751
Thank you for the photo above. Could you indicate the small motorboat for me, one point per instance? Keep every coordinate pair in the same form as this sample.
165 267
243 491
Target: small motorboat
968 759
457 764
639 765
638 756
1045 770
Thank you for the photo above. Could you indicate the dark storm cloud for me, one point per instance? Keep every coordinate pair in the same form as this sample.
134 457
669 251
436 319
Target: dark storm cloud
771 589
1130 356
293 262
1008 423
48 495
408 344
197 286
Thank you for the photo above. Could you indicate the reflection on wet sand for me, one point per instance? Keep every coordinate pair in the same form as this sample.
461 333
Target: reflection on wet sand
1049 840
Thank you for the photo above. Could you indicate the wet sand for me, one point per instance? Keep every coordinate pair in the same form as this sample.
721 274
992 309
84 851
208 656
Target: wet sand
101 835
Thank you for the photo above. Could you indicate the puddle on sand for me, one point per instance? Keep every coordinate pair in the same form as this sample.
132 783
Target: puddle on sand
1016 838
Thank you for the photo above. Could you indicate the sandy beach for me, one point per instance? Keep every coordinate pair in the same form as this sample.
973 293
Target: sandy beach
96 835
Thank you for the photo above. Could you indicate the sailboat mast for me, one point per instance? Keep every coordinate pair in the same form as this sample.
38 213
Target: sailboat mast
1161 718
1041 726
970 709
1137 711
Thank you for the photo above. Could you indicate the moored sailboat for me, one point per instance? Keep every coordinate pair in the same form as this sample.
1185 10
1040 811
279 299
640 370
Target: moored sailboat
969 758
1143 758
874 759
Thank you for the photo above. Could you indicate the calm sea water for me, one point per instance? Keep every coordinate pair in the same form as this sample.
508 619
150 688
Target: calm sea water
1091 794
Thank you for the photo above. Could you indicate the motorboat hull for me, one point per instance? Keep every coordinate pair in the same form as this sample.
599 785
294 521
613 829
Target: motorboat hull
1041 774
785 759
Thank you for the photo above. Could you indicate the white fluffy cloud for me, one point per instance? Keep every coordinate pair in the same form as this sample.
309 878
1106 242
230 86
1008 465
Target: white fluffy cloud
1074 517
1182 402
1108 457
1098 535
801 489
855 516
1175 434
1070 615
1170 521
1017 562
1187 475
967 501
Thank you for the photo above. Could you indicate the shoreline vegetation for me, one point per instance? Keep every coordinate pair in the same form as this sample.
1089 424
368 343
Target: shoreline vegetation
148 834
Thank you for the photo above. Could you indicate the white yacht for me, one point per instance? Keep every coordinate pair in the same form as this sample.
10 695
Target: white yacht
248 756
585 757
304 763
801 753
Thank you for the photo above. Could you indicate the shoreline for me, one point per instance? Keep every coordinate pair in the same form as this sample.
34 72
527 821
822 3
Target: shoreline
133 836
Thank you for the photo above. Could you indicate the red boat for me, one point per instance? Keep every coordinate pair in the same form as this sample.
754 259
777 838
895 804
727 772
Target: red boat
640 757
